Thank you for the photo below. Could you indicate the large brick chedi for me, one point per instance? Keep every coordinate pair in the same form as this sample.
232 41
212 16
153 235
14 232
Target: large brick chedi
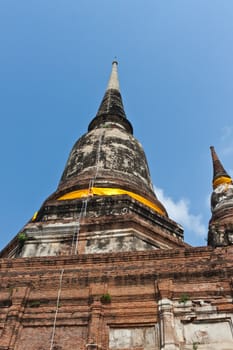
102 266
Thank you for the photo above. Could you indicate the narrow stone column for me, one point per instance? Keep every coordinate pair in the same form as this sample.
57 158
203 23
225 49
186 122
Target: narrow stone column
12 325
95 327
167 327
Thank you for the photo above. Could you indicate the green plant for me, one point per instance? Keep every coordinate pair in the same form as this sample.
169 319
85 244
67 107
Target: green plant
22 237
184 298
10 289
106 298
35 303
195 346
105 126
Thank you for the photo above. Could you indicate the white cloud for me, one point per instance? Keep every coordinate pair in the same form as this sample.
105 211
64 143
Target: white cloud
180 212
227 132
228 150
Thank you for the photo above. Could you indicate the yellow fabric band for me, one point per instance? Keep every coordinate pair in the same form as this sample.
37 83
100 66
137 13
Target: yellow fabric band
110 192
35 216
221 180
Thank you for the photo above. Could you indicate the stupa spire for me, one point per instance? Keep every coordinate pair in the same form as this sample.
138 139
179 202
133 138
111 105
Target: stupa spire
111 109
113 80
220 176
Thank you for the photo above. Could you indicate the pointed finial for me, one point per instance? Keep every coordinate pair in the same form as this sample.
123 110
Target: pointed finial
113 81
220 175
111 108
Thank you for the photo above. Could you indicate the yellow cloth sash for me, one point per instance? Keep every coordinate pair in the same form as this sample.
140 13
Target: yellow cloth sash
34 216
97 191
221 180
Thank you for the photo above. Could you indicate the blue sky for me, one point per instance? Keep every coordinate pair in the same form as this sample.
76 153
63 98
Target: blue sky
176 76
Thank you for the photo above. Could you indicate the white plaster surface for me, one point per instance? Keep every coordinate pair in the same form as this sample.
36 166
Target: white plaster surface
209 333
117 244
41 249
45 240
125 338
223 195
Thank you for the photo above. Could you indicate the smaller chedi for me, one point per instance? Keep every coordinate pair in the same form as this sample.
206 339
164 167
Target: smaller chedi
221 223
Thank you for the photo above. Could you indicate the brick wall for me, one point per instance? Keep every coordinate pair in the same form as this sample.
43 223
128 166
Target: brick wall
197 282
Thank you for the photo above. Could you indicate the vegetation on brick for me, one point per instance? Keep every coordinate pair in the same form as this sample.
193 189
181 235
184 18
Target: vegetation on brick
10 289
184 298
22 237
195 346
106 298
35 303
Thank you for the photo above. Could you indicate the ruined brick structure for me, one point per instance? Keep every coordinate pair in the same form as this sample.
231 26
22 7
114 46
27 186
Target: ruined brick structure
102 266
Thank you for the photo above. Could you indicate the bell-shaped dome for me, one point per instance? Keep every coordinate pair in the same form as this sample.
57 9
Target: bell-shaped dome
108 156
105 200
